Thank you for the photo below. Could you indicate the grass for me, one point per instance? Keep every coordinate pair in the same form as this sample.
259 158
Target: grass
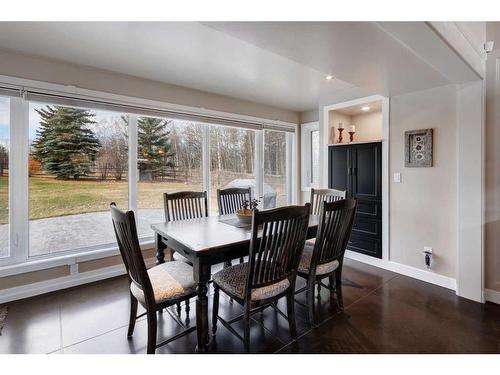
49 197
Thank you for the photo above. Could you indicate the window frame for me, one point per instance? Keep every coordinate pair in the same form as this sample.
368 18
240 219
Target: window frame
19 260
306 155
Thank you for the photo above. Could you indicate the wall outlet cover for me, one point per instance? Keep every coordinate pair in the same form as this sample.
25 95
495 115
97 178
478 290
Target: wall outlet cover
397 177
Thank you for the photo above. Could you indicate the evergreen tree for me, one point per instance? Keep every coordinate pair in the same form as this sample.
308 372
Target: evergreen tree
154 147
64 144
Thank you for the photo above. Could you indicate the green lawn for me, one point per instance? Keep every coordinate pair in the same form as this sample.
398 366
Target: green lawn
49 197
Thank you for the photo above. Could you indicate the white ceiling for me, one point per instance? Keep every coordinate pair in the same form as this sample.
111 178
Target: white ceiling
183 53
282 64
356 109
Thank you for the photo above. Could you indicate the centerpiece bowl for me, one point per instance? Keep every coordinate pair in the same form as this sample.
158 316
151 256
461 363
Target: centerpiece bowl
244 215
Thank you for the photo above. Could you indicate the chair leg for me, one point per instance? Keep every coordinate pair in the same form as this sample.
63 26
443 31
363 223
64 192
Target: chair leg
290 302
310 301
188 308
338 289
133 315
215 309
242 260
319 291
246 322
151 315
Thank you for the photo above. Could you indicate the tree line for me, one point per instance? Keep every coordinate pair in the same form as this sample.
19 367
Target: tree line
71 144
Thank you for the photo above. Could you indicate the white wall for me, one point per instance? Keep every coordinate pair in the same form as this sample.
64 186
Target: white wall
423 207
492 140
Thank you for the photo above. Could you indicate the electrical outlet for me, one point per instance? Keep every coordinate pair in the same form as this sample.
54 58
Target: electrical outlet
428 249
397 177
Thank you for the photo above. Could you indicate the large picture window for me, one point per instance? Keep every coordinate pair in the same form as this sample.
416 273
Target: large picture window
4 176
169 159
69 158
232 159
276 192
77 166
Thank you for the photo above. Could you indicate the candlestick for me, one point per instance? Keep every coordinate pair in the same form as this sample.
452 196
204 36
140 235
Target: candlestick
340 134
351 136
341 126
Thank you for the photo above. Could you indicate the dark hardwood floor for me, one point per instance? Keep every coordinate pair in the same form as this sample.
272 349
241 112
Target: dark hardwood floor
384 313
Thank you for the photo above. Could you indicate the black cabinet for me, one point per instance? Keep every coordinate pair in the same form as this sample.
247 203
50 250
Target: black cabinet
357 169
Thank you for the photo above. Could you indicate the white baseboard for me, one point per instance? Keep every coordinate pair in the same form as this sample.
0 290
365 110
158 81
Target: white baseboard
492 295
416 273
46 286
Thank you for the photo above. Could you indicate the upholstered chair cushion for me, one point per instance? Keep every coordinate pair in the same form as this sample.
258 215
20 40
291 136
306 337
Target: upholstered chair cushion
180 258
305 262
232 281
169 280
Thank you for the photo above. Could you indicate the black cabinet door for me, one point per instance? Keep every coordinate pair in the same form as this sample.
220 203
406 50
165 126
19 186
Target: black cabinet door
339 172
366 167
357 169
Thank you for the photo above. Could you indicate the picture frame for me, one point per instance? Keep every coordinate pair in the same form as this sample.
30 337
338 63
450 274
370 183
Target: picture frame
418 148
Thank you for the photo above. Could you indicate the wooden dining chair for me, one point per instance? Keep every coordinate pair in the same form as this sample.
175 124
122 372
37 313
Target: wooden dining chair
325 258
318 196
155 289
276 244
230 200
185 205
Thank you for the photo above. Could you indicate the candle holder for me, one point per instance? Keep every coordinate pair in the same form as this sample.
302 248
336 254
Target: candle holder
340 134
351 136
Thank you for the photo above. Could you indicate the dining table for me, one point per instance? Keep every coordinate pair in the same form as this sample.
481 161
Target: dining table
205 242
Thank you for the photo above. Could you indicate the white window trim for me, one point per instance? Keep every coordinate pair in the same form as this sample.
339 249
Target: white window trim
306 154
19 260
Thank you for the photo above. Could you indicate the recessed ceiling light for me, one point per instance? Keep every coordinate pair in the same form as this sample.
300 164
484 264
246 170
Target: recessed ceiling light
328 77
365 108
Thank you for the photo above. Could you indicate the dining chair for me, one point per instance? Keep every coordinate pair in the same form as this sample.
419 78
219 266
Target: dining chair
184 205
277 240
325 258
318 197
230 200
155 289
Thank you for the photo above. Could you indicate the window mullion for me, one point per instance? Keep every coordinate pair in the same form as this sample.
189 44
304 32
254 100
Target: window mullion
205 163
132 163
290 170
259 166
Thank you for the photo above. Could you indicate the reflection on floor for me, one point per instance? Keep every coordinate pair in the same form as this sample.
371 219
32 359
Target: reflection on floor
385 313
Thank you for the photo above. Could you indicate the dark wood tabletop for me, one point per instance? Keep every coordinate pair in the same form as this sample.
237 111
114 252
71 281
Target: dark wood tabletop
205 242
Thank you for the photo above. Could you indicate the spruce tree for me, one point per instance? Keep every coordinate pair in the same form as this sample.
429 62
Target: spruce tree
154 147
64 144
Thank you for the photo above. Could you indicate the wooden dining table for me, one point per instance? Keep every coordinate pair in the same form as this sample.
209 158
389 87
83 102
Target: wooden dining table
205 242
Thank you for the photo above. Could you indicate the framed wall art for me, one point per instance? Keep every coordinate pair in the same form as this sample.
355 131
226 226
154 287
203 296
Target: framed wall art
418 148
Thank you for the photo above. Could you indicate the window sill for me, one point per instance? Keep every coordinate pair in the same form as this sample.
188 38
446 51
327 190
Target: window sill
65 260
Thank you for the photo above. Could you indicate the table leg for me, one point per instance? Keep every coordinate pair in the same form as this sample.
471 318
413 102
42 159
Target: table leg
202 276
160 249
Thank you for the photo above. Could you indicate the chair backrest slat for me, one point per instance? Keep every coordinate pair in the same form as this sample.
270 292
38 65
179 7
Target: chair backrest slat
185 205
334 230
128 242
276 245
318 196
232 199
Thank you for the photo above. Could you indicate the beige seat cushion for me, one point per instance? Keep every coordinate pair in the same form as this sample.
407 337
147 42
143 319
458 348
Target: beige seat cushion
232 280
170 280
305 262
180 258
